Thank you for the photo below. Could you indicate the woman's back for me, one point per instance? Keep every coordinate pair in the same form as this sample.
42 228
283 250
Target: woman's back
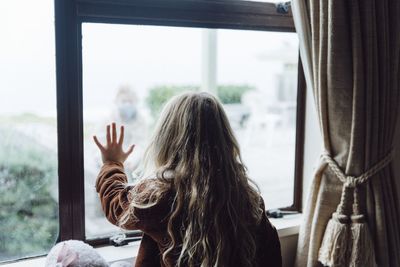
208 213
153 221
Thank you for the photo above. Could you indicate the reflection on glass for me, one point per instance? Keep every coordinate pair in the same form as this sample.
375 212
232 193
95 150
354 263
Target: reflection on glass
129 72
28 130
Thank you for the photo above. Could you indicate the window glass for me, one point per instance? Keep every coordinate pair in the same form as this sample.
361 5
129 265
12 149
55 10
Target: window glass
130 71
28 130
269 1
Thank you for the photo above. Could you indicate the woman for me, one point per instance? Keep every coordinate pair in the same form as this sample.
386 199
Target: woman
198 208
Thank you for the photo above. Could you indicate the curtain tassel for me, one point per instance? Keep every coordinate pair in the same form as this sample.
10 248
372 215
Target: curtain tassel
335 244
333 251
349 242
362 252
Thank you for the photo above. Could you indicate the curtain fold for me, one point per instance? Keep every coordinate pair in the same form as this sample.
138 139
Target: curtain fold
351 56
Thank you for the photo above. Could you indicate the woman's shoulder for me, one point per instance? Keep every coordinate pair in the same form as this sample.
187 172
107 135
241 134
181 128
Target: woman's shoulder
268 241
262 202
150 189
163 179
151 202
264 219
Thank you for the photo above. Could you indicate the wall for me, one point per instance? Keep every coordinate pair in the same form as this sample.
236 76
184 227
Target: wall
288 247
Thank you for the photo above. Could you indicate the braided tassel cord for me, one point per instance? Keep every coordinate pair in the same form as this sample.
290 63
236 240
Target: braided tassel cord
349 242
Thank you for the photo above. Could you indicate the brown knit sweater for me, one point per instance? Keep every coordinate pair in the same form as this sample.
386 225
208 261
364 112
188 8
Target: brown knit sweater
112 187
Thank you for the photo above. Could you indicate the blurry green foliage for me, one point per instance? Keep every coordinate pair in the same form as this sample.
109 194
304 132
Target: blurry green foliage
232 94
29 212
159 95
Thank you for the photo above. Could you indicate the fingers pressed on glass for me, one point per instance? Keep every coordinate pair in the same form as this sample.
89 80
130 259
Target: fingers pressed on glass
99 145
130 150
121 135
108 135
114 133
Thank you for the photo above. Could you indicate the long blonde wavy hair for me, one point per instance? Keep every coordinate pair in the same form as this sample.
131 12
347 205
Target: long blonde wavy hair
215 204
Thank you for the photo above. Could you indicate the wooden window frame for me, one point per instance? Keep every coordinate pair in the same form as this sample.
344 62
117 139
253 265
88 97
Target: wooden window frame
69 16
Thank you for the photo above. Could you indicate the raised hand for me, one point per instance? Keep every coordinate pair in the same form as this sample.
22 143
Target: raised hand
113 151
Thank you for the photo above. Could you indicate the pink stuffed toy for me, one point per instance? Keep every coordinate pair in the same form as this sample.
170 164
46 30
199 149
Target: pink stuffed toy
74 253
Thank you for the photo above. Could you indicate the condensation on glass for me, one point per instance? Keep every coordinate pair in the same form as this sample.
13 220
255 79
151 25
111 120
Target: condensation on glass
130 71
28 129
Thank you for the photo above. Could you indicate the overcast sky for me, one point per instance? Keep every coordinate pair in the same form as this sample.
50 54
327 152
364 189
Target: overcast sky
115 55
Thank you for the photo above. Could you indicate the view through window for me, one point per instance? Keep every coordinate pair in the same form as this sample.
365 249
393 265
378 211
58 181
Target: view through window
129 72
28 129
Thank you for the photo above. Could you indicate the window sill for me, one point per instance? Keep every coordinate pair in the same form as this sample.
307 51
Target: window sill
286 226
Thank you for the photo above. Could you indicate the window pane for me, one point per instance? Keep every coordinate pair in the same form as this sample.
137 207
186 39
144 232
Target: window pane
130 71
264 64
28 130
268 1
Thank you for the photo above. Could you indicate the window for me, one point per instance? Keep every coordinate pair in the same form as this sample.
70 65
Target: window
113 59
130 71
28 129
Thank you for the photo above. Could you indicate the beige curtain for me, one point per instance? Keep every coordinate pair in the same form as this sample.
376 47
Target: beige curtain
351 57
